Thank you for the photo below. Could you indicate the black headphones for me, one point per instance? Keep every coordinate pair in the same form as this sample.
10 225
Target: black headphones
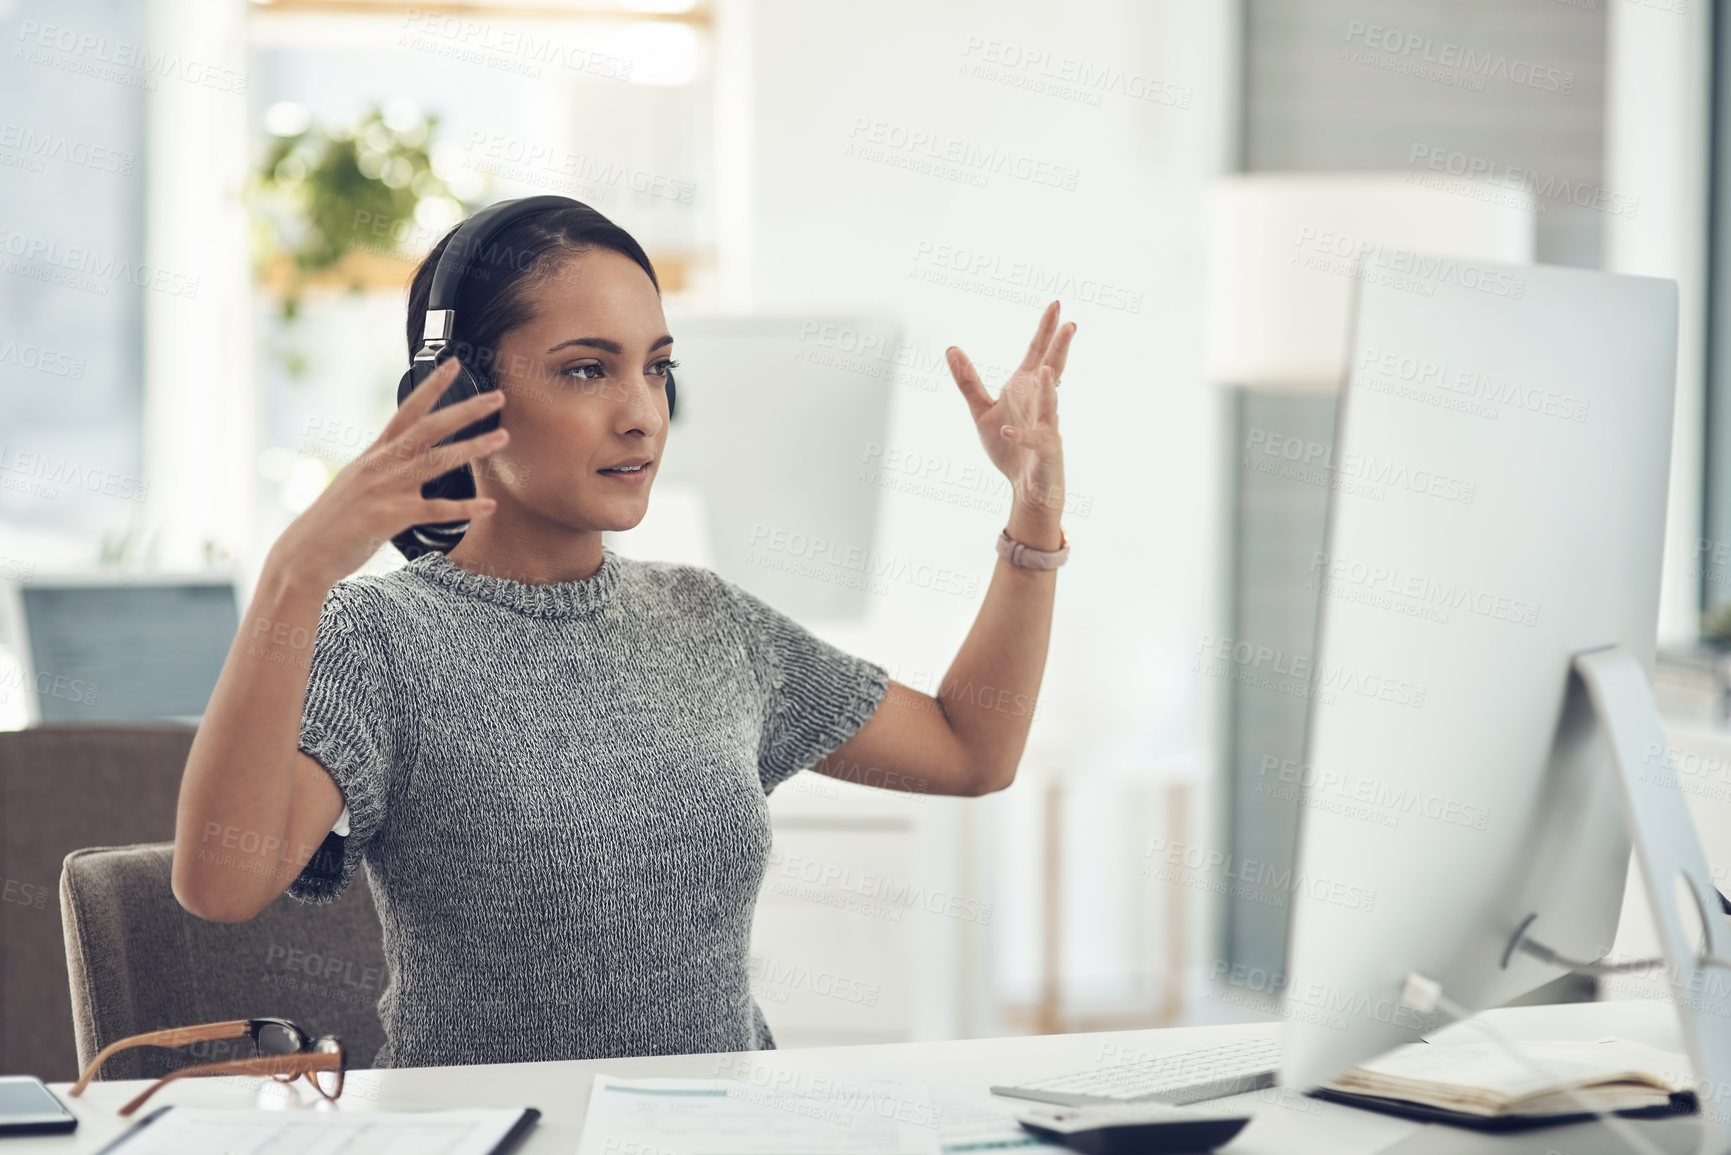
470 241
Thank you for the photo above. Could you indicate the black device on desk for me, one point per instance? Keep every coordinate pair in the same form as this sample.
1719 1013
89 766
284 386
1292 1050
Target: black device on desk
28 1107
1135 1128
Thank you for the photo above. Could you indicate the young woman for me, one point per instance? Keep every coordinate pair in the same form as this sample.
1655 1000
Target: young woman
554 760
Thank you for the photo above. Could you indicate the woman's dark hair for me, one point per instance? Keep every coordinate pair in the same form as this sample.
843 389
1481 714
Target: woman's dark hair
495 296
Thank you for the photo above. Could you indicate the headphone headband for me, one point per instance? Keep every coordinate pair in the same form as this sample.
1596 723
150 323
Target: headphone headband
471 240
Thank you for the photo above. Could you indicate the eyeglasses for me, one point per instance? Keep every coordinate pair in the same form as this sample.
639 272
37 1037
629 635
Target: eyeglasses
281 1050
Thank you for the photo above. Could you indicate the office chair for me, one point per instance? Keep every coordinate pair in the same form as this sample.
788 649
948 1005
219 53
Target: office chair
139 962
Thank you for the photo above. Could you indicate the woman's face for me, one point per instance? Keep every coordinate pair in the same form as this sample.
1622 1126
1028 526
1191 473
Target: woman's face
585 391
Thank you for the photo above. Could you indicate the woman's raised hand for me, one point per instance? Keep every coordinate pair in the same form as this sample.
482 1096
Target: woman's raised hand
378 494
1020 428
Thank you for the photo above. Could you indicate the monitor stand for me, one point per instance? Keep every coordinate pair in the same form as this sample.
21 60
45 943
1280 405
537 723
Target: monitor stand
1685 904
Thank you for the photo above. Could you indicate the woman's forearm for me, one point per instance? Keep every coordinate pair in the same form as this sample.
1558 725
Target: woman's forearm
990 689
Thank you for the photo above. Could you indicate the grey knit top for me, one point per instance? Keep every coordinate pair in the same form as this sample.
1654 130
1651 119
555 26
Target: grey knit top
559 794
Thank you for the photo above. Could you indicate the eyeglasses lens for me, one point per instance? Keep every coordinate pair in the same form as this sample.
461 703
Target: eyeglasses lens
330 1082
274 1040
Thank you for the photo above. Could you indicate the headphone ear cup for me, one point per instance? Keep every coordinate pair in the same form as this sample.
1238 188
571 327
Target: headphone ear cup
420 368
469 383
466 384
457 484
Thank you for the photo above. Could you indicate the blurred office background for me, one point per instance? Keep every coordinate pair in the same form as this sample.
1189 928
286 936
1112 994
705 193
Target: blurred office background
209 210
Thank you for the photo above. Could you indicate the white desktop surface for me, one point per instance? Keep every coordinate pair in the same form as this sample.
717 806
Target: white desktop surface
561 1090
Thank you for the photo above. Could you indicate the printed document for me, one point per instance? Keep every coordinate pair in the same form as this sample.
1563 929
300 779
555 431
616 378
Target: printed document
811 1115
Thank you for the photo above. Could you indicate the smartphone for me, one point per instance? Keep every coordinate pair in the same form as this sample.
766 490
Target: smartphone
27 1106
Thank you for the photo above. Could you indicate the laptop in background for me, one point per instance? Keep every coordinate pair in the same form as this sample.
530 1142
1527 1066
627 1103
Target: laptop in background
116 647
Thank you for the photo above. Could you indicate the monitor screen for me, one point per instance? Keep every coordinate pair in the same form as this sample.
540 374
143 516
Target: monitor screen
126 652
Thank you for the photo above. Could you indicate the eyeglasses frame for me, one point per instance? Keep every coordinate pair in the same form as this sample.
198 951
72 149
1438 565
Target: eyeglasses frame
276 1066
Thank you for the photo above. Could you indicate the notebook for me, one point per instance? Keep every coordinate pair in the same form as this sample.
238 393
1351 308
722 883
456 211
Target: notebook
208 1131
1481 1084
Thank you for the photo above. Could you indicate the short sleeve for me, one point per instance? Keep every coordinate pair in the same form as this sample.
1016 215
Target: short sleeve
350 726
815 695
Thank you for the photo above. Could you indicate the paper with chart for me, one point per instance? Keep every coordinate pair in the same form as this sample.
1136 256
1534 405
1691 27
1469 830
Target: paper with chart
810 1115
206 1131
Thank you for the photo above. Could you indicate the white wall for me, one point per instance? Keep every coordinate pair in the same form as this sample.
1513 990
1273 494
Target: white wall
830 231
1657 115
200 415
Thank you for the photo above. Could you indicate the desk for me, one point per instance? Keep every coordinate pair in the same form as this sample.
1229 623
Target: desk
1284 1123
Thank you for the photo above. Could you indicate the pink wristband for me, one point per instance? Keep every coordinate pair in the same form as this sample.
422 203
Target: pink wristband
1028 557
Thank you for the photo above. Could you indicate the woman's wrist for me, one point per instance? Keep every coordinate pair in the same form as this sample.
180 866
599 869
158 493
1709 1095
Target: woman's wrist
283 577
1035 526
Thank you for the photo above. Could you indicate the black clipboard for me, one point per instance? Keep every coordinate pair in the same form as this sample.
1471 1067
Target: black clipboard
511 1140
1682 1103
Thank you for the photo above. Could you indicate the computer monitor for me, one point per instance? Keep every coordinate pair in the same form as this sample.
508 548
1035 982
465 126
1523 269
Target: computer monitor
109 648
1499 471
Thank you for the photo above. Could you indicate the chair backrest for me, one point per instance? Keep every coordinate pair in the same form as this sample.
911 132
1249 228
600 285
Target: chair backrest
63 787
139 962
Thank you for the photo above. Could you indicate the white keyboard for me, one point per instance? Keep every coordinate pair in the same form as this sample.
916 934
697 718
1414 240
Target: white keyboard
1179 1078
